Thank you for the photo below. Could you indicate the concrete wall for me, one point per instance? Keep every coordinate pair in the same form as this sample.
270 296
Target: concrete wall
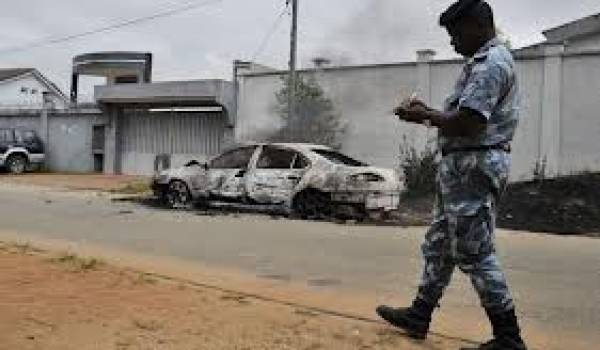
12 96
526 150
69 148
194 92
29 121
364 96
559 115
590 42
70 143
580 111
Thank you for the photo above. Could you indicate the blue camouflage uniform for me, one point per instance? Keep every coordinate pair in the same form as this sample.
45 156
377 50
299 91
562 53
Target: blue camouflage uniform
469 183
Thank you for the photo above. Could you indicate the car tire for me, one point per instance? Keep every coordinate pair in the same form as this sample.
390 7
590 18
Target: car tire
17 163
178 195
312 205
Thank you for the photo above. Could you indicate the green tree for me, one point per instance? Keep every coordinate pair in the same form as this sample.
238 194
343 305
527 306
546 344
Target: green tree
315 119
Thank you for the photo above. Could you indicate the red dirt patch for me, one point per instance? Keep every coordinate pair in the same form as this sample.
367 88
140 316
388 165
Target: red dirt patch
77 182
64 304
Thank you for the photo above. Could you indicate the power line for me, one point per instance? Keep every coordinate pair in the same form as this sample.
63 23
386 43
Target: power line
269 35
118 25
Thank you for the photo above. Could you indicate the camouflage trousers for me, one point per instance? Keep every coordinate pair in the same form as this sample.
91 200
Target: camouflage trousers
462 232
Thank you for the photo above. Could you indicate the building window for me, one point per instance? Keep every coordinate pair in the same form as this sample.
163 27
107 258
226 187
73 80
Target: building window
24 90
34 91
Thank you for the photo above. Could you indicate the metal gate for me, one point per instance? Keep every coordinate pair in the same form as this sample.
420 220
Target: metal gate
146 135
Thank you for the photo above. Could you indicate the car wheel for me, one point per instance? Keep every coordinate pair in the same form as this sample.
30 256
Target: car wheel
312 204
178 195
16 164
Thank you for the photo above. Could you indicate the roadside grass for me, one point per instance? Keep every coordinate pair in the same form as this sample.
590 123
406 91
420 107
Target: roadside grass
76 263
133 187
144 278
19 248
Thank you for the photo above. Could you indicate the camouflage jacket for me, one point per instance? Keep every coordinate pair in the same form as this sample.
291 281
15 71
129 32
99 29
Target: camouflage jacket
469 181
489 86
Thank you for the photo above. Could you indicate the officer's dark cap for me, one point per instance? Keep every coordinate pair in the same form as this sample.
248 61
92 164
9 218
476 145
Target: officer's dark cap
457 11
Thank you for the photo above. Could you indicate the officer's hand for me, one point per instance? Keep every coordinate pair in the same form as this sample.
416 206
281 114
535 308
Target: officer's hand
416 114
416 103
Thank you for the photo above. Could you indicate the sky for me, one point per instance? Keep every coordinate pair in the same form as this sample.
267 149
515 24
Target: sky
202 43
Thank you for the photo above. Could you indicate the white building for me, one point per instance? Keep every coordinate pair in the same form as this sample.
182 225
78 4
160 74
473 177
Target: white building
23 88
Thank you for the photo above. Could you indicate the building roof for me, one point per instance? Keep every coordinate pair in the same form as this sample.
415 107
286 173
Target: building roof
581 27
9 73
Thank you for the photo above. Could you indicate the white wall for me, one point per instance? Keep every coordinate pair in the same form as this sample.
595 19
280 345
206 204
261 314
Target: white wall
526 145
580 123
591 42
560 115
70 144
11 95
364 96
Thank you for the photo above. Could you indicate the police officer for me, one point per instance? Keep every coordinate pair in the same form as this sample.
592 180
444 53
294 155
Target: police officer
474 132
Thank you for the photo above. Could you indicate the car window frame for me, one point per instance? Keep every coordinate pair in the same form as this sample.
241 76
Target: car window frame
319 152
306 160
19 135
294 152
231 151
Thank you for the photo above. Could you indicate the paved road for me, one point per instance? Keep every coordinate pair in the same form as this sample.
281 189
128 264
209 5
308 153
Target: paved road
556 280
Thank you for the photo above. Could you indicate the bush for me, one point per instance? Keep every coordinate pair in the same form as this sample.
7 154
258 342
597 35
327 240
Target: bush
419 169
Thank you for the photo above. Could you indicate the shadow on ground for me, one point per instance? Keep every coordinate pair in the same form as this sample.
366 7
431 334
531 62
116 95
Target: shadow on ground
565 206
403 218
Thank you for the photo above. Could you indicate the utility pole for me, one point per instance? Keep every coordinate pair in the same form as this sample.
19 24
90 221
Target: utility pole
293 53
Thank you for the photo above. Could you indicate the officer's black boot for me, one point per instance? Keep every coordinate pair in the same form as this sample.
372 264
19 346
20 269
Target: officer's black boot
507 335
413 320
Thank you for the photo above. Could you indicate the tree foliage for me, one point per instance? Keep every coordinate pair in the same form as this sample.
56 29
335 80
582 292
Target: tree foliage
315 119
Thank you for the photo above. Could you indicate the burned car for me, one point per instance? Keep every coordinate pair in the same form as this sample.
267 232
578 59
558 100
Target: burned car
308 180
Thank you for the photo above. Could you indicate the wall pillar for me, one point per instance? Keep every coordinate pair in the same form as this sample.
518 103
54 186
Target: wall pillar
550 124
110 148
45 128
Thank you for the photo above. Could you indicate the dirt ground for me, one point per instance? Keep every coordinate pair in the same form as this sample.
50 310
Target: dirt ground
60 301
567 206
80 182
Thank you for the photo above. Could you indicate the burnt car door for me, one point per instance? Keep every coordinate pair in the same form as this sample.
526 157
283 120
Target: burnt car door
227 173
277 172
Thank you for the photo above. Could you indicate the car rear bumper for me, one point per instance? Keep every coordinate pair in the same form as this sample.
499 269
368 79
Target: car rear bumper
372 200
